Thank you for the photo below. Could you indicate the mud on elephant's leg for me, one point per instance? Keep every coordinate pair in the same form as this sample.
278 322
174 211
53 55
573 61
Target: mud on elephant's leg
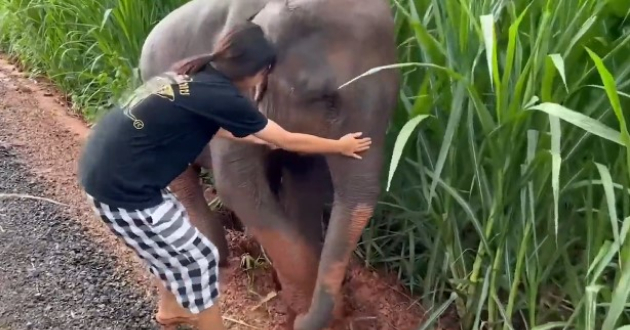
240 176
187 187
356 184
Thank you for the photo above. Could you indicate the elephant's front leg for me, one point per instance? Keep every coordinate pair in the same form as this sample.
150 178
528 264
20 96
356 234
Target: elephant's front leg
356 184
187 187
240 176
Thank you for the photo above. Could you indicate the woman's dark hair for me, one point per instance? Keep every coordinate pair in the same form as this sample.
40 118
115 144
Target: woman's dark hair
241 53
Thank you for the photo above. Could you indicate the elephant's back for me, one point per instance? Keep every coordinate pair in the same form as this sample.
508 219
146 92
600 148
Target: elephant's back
363 15
188 30
364 25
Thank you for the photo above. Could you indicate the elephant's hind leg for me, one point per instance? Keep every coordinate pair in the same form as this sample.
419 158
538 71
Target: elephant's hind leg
187 188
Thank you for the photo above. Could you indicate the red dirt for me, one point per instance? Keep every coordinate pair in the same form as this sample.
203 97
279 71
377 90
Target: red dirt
49 138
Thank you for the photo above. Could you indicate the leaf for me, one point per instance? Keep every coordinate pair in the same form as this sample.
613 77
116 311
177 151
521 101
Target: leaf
487 26
399 145
580 120
626 95
591 305
585 27
613 97
620 296
602 259
511 47
609 192
531 101
447 142
435 316
556 161
558 62
402 65
550 325
105 17
465 206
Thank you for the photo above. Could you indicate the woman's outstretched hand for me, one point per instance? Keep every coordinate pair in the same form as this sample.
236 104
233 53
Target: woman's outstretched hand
351 144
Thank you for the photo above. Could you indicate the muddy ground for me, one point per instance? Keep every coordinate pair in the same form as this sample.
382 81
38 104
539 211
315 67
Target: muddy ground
60 268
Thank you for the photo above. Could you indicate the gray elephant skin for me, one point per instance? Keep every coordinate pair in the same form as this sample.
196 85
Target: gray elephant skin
280 196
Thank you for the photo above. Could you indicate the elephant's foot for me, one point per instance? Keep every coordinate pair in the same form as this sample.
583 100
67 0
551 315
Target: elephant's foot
304 319
297 300
339 311
337 322
295 265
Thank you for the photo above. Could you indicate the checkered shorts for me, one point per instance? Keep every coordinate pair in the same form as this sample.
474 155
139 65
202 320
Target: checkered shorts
175 251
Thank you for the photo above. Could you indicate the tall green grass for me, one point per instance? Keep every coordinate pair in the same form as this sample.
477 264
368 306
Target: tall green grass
508 190
510 167
90 48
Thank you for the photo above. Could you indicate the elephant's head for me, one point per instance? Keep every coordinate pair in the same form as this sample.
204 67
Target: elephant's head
321 45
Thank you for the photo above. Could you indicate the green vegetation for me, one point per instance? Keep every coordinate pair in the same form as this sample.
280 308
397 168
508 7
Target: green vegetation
510 197
90 48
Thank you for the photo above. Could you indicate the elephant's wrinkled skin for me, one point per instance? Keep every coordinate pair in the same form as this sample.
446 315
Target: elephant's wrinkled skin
321 45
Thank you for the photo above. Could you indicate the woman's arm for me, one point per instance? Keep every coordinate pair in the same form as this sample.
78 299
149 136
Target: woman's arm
239 120
349 145
249 139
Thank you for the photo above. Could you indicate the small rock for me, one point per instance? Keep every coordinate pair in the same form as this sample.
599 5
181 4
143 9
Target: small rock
23 89
48 94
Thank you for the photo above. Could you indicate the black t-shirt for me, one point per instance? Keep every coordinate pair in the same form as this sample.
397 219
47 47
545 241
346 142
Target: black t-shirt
135 151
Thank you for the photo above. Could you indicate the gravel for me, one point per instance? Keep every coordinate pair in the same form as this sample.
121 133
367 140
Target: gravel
51 275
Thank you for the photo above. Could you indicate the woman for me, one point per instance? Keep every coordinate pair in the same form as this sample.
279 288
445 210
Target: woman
137 150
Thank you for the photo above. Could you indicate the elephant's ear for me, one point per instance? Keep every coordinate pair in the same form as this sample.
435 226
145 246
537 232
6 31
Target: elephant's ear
260 90
242 11
249 19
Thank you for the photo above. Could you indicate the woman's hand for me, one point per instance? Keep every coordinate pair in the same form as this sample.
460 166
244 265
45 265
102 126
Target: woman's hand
351 144
348 145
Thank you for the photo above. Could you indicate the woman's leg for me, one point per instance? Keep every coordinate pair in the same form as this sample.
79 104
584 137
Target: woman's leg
169 311
183 260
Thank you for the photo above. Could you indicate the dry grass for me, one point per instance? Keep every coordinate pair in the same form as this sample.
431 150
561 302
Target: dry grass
24 196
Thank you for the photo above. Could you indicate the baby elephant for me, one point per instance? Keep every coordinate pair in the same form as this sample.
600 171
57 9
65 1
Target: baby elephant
278 195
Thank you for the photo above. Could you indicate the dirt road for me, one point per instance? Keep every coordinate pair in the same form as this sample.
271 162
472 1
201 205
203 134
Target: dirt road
52 276
60 268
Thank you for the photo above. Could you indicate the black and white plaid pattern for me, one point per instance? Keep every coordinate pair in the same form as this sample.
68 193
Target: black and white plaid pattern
173 248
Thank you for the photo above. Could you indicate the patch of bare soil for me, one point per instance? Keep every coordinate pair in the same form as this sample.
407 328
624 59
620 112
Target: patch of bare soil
49 139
